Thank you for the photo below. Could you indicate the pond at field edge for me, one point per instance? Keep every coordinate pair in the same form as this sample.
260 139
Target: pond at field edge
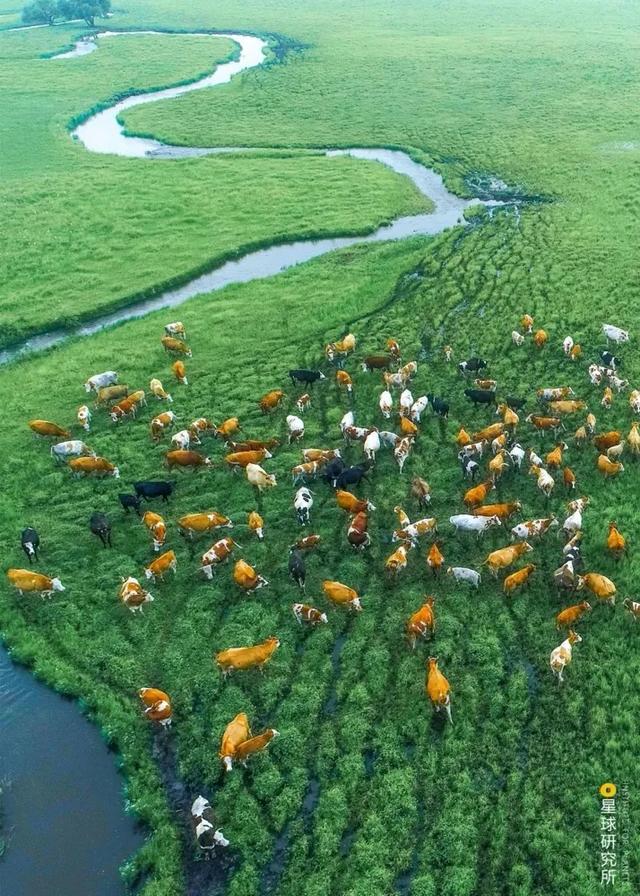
63 804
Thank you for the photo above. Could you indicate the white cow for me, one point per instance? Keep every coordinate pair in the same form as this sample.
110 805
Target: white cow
465 522
406 401
303 502
464 574
517 455
418 408
295 425
561 656
517 338
388 439
372 445
347 420
386 404
73 448
100 380
181 440
567 345
84 417
615 334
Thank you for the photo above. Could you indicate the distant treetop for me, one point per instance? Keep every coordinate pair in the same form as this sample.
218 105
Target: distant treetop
47 11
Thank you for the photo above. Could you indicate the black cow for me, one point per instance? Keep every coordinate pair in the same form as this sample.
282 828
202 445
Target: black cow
308 377
100 526
575 556
30 542
297 567
130 501
472 364
332 470
438 405
516 404
352 475
149 490
480 396
610 360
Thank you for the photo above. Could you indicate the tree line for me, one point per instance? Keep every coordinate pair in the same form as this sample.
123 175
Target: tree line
47 11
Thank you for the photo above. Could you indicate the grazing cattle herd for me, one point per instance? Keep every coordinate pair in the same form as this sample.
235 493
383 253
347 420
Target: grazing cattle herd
489 459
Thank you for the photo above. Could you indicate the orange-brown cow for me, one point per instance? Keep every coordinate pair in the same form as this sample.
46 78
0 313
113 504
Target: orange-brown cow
347 501
157 526
502 511
568 617
180 372
517 579
540 338
341 595
160 423
526 323
227 428
255 745
608 467
434 558
397 561
504 557
176 346
344 381
357 534
569 478
198 523
45 428
26 580
162 564
256 524
476 495
438 688
157 705
235 658
607 440
247 578
239 459
488 433
271 400
421 623
616 542
182 458
236 733
96 466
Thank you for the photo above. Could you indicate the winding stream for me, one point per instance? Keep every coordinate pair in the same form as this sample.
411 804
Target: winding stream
103 133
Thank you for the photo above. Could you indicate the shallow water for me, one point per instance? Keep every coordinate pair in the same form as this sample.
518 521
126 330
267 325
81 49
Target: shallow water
62 808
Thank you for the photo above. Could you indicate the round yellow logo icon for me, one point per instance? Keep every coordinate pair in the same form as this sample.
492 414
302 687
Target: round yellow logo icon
609 790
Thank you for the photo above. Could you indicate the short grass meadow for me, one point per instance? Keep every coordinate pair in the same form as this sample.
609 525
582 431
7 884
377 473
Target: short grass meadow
364 791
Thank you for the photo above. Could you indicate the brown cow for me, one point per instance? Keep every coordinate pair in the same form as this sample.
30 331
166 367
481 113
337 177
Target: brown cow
181 458
247 578
45 428
438 688
271 400
234 658
357 534
421 623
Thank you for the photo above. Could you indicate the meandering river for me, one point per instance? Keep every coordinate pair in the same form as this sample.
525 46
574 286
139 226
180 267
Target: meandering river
104 133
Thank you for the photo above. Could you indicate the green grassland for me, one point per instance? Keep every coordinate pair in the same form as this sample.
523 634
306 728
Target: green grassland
364 791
